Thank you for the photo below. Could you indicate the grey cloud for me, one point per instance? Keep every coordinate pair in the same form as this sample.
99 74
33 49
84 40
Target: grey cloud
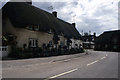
88 23
59 5
83 8
43 5
49 5
74 3
104 10
89 0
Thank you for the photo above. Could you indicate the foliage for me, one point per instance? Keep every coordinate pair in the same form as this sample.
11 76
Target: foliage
55 39
20 53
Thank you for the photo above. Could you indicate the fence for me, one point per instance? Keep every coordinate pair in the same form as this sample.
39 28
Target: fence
4 50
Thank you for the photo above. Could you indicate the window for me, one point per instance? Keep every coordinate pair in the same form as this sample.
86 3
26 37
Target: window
50 42
4 49
30 27
33 42
50 31
115 40
114 47
36 28
106 46
61 43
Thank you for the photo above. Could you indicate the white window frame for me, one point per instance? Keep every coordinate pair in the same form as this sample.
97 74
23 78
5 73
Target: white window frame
33 42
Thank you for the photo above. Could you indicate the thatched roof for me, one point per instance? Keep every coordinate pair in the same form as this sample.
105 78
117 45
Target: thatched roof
108 37
23 14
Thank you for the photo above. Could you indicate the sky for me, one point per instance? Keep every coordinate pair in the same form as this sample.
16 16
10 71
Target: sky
89 15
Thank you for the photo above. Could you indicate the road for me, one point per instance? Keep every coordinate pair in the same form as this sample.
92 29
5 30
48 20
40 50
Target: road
96 64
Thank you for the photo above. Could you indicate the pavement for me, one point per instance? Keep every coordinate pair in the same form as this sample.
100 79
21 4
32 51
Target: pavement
34 61
96 64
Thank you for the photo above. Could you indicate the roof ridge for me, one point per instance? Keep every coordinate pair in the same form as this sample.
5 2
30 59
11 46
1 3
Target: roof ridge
111 31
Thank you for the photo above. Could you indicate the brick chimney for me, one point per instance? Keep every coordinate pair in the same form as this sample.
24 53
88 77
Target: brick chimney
54 13
73 24
94 34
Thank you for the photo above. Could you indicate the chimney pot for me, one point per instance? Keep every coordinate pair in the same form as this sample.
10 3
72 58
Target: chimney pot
94 34
54 13
73 24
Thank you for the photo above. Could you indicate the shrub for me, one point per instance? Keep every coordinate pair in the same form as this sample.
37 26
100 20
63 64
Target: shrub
16 52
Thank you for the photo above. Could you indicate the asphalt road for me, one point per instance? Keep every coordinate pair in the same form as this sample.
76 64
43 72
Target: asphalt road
96 64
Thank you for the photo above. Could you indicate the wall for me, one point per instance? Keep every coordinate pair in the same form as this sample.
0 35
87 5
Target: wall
75 41
4 50
23 35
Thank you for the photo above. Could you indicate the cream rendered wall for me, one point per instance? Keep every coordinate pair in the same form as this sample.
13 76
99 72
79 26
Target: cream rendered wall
23 35
42 37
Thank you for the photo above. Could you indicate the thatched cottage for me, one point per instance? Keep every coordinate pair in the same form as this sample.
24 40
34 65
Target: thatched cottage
27 26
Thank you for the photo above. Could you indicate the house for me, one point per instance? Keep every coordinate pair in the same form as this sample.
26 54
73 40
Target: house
88 40
28 27
108 41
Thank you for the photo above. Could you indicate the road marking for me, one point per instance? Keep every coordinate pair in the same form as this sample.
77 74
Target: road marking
106 55
103 57
92 63
47 62
62 74
65 60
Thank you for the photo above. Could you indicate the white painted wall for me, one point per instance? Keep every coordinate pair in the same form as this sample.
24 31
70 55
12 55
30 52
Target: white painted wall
75 41
4 51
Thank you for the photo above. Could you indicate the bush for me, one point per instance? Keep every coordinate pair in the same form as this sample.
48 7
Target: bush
16 52
20 53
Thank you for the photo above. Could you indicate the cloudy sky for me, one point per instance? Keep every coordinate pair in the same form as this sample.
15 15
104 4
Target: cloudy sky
94 15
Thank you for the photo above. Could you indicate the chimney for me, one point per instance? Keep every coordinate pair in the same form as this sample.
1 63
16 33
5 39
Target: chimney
94 34
89 32
73 24
54 13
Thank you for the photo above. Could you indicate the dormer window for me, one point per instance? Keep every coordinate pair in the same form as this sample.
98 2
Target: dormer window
30 27
50 31
36 28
